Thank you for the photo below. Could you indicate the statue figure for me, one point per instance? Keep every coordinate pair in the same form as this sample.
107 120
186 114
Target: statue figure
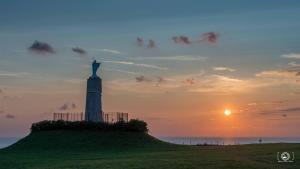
95 66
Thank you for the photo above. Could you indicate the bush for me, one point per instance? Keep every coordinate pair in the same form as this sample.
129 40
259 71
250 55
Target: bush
133 125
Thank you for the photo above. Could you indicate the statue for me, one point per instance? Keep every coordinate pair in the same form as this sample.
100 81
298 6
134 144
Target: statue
95 66
93 106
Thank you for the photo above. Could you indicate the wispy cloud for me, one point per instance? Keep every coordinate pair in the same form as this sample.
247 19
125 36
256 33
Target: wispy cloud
294 64
122 71
193 83
173 58
79 51
276 74
13 74
291 56
224 69
110 51
293 109
41 48
137 64
10 116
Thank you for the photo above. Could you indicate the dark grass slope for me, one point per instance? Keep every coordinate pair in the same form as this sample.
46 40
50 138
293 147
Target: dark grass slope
97 141
65 149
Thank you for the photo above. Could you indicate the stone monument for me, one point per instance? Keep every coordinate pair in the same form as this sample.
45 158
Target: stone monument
93 107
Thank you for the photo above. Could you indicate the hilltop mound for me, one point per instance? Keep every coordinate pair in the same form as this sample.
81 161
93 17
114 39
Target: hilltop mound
65 140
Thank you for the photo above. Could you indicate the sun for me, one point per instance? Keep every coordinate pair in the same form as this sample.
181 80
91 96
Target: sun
227 112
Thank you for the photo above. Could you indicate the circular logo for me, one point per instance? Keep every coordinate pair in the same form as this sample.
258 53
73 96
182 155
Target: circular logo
285 156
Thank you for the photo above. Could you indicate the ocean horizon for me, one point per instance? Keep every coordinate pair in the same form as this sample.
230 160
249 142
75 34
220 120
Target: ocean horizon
7 141
228 140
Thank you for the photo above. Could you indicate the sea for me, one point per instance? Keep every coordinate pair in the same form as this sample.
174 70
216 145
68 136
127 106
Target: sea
228 140
7 141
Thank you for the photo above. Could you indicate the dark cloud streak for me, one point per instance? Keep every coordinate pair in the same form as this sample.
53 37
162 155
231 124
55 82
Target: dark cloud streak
151 44
293 109
181 40
79 51
140 41
142 79
210 37
10 116
41 48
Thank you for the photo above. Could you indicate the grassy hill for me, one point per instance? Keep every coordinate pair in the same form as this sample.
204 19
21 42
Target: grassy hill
133 150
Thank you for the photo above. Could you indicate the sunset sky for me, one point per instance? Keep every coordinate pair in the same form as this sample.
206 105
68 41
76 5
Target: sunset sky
175 64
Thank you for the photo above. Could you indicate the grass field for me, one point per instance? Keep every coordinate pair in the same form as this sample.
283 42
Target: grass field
129 150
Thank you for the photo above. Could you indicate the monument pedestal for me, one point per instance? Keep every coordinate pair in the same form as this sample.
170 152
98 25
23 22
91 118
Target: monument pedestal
93 107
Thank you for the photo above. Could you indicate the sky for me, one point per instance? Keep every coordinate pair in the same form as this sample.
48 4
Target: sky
175 64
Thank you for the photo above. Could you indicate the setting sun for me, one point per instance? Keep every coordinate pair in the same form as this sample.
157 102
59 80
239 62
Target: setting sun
227 112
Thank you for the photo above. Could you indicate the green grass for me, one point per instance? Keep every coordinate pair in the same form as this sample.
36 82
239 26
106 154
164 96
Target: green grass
131 150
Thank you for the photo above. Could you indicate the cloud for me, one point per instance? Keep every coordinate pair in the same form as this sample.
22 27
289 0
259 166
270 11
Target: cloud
181 40
292 71
122 71
293 109
65 106
224 69
1 91
79 51
110 51
10 116
140 41
73 105
193 83
151 44
293 64
277 74
41 47
161 79
13 74
210 37
252 104
189 81
137 64
291 56
173 58
142 79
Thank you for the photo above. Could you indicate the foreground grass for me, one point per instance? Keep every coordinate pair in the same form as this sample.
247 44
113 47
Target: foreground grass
127 150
